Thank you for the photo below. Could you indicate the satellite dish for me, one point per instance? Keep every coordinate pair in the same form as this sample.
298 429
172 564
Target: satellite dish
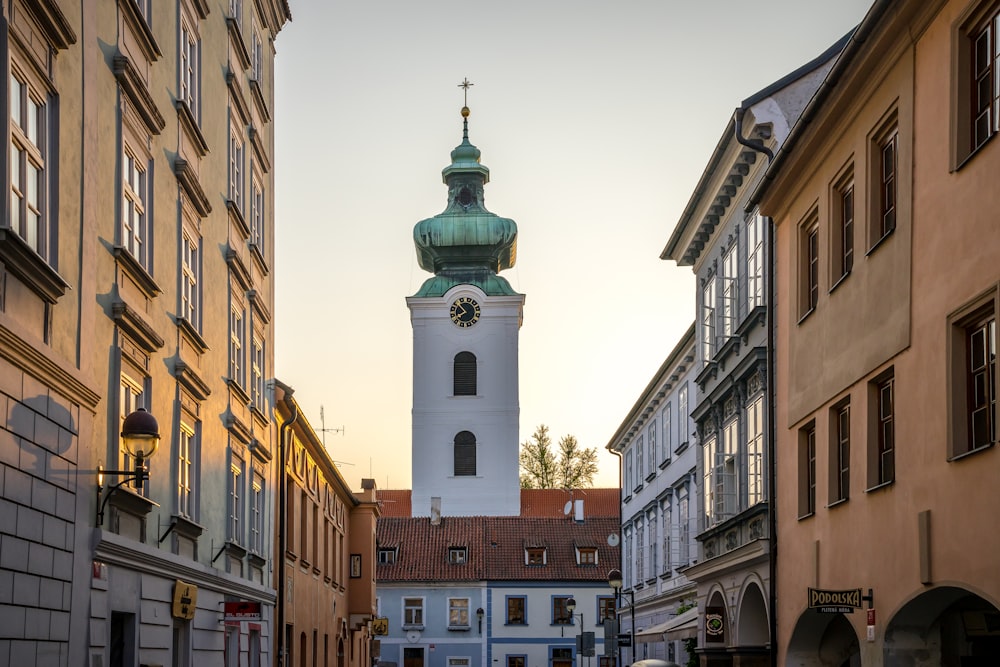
568 507
613 539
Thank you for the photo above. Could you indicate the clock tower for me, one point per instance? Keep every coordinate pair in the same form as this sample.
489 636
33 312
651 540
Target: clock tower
466 319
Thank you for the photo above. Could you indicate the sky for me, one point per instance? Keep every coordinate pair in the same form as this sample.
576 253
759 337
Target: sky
596 119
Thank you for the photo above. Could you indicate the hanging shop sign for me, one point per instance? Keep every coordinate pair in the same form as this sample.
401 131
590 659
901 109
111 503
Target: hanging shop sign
715 624
241 611
835 602
185 600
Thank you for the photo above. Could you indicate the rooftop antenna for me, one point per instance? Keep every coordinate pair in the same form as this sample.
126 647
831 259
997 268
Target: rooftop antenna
323 429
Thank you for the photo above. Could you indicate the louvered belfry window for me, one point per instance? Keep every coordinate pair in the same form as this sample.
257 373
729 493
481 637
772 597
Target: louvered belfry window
465 454
465 374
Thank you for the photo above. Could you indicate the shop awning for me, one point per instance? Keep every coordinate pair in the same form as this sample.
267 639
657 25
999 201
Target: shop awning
652 634
683 626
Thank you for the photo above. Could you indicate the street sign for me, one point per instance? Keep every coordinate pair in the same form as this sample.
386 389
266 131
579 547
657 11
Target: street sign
380 626
835 602
241 611
585 644
624 640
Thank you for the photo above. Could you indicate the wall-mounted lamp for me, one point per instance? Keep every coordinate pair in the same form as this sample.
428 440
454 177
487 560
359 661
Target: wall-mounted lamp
140 438
479 616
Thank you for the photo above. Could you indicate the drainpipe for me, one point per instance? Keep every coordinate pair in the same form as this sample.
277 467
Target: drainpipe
772 538
621 565
282 513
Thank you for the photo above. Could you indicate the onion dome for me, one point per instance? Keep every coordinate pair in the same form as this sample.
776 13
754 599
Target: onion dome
465 244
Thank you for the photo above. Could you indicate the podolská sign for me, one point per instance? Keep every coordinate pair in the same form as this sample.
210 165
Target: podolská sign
835 602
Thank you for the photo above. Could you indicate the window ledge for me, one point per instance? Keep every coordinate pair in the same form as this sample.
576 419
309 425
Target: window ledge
258 255
459 628
840 280
835 503
18 257
756 316
191 334
187 527
880 486
256 559
971 452
144 36
807 515
973 152
258 97
651 476
879 242
806 315
136 271
235 550
681 447
664 463
413 626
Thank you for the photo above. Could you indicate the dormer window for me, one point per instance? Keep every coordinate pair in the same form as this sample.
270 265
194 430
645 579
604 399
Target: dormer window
586 556
534 556
457 555
387 555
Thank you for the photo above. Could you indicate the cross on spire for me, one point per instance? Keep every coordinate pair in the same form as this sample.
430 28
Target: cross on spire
465 85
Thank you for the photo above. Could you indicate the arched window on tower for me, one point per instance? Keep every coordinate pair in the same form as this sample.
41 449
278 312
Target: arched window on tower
465 374
465 454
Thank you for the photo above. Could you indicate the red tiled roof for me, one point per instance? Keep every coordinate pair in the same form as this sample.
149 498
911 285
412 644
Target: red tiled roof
495 548
535 503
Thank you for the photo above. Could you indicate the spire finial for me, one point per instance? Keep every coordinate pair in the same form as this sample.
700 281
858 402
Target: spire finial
465 85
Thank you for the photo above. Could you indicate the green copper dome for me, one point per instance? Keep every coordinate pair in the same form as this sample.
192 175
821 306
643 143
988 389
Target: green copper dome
465 244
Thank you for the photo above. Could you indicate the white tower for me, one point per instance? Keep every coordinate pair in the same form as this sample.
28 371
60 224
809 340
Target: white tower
465 322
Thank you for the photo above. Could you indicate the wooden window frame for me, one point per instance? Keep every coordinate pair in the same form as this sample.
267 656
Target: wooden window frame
961 323
807 470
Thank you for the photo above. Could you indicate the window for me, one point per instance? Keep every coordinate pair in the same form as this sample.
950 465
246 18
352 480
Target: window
586 556
458 662
235 485
257 395
187 453
985 54
135 195
755 262
708 320
666 519
257 544
683 526
653 566
458 613
386 555
465 368
534 556
516 660
882 452
516 610
257 55
28 176
560 612
754 415
730 291
972 344
809 266
145 8
627 568
709 453
131 397
842 242
727 475
605 608
237 149
256 211
887 206
807 470
465 454
190 276
640 551
840 452
651 438
640 461
190 68
457 555
982 403
629 476
237 343
236 9
413 612
682 417
668 432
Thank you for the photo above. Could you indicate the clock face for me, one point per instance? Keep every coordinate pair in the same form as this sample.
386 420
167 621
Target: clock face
465 311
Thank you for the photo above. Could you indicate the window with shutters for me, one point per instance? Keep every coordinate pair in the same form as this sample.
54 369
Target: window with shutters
465 454
465 374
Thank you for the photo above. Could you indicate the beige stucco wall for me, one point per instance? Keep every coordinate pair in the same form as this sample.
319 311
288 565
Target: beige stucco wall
891 311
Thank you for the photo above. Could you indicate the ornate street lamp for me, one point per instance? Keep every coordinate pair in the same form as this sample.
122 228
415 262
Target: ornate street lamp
140 437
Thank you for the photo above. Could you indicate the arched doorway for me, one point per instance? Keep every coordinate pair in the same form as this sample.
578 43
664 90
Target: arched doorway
751 625
823 640
950 626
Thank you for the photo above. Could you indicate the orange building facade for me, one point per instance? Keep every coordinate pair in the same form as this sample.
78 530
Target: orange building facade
325 544
884 205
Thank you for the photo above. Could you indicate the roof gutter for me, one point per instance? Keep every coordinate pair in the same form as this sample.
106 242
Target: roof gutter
279 629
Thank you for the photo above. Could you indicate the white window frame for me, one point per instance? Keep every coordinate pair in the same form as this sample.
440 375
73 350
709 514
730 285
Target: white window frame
191 276
29 176
234 524
730 292
413 614
755 262
135 183
640 461
708 316
256 210
237 345
257 371
189 69
187 453
257 504
237 159
458 613
651 441
754 413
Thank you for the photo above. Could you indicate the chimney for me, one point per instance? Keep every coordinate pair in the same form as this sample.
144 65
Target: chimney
578 510
436 510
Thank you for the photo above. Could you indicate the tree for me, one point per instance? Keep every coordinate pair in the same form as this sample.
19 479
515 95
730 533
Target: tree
574 468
